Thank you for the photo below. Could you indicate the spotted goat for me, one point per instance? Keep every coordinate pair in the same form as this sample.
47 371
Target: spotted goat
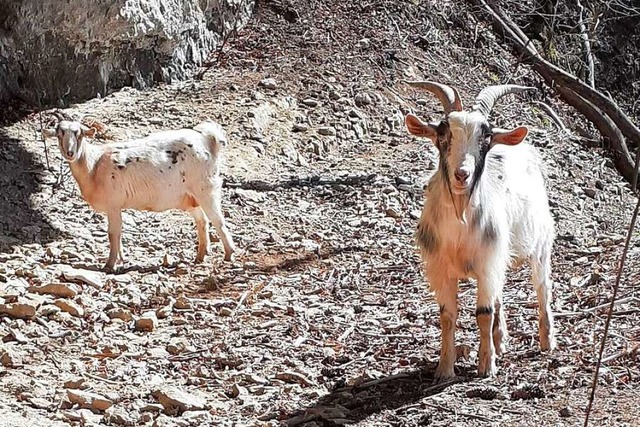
485 207
175 169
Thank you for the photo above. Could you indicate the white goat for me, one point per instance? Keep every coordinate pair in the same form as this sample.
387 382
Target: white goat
485 204
176 169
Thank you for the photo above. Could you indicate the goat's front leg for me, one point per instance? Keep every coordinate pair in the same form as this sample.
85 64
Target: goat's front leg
115 238
489 292
446 292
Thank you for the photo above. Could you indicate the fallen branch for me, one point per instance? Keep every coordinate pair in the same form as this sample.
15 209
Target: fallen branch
624 353
547 109
309 181
605 114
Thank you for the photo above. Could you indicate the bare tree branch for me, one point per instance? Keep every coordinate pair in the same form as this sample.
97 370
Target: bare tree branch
600 109
590 74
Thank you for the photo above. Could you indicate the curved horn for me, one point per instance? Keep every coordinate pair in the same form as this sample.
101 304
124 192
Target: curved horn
60 115
447 95
489 95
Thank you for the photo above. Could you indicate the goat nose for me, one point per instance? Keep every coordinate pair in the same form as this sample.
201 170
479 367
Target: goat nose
461 174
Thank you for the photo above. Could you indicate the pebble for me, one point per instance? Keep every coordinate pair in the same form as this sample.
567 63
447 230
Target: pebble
310 102
19 310
327 131
238 391
566 412
300 127
590 192
362 99
121 416
88 277
177 345
293 377
225 312
70 307
269 83
176 401
164 312
251 195
9 358
148 322
89 400
182 303
59 290
120 313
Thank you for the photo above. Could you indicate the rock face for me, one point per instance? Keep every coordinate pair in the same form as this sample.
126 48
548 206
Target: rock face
57 52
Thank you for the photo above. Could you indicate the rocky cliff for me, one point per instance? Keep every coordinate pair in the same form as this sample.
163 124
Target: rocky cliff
54 51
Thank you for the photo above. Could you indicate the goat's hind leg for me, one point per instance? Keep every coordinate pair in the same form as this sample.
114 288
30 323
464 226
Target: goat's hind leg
541 269
202 228
500 334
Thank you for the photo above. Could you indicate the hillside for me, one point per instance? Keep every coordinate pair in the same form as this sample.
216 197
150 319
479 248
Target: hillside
324 318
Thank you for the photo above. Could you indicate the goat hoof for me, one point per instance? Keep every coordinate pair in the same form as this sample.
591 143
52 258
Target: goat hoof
487 369
109 269
547 343
443 374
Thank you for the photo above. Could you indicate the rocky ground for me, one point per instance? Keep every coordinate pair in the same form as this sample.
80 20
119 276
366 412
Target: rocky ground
324 317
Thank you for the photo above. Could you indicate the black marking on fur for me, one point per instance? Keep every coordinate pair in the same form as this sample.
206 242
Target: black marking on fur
190 145
426 239
468 267
484 144
478 214
441 308
127 161
444 138
113 176
497 157
121 166
482 311
490 232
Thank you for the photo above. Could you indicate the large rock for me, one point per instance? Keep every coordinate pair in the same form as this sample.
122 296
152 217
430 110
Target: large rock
77 49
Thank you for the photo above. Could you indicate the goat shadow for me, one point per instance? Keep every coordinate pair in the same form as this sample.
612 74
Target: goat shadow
21 176
352 404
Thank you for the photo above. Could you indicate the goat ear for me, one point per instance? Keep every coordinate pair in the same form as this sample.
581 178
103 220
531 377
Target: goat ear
417 127
90 132
509 137
48 133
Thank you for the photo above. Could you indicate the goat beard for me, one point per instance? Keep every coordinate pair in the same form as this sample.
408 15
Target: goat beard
460 202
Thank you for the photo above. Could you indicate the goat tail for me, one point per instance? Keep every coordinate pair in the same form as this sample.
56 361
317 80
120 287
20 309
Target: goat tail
214 133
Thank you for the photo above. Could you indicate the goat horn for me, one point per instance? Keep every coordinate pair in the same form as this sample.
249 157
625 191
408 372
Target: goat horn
447 95
60 115
489 95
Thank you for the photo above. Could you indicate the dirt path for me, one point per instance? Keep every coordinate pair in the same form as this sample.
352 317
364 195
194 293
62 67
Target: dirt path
324 316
